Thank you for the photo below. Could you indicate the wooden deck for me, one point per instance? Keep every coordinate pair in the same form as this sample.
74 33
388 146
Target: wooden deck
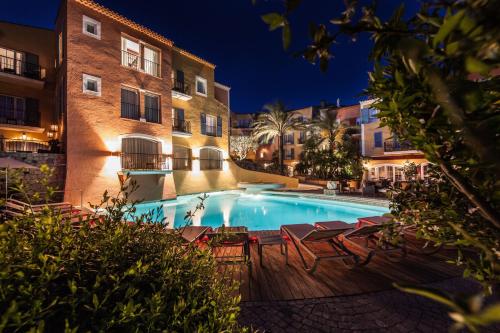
277 281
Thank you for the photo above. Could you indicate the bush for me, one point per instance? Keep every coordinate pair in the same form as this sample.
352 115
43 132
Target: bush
108 276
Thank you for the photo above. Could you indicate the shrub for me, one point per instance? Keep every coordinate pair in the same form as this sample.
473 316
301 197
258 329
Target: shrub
108 276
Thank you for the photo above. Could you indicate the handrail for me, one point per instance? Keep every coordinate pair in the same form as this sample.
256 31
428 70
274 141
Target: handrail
21 68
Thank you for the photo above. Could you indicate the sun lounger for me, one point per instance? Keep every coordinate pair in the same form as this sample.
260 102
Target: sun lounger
305 236
191 234
416 245
367 240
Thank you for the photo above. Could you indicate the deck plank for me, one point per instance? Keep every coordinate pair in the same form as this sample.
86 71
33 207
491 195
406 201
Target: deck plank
278 281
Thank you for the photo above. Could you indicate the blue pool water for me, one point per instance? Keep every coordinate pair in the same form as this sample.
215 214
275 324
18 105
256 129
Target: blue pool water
258 211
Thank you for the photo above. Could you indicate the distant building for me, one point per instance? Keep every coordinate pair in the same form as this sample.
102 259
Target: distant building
385 154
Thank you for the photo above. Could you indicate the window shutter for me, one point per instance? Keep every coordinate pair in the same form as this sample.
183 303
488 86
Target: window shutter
180 76
203 123
32 114
179 114
219 126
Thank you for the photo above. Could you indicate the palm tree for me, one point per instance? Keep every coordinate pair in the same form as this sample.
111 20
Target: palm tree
327 123
275 122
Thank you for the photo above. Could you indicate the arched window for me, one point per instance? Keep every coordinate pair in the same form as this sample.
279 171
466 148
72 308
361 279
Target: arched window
182 158
210 159
142 154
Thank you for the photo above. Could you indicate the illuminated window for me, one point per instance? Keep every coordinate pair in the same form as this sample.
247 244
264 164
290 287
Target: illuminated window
201 86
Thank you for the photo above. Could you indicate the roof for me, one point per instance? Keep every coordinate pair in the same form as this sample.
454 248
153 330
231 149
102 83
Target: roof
131 24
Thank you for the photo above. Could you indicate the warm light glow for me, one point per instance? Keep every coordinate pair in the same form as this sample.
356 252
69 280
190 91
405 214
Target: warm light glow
112 166
113 145
50 134
195 152
225 166
225 155
196 166
167 148
23 136
54 127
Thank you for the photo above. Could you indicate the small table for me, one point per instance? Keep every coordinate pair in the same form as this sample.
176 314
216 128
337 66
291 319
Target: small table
271 240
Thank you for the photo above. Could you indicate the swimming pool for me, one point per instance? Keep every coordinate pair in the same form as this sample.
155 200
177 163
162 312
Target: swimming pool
258 211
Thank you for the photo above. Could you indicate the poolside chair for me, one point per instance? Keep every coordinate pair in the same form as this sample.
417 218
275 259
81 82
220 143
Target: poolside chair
410 233
230 246
305 236
367 240
190 234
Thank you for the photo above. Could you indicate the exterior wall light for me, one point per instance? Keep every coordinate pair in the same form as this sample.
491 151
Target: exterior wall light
54 127
24 137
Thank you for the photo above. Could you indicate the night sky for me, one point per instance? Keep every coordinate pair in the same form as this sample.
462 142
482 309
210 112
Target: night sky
249 58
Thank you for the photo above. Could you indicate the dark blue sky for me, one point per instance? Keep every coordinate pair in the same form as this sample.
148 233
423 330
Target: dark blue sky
231 34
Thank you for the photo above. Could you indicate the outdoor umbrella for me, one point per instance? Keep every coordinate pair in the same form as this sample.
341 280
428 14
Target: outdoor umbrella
7 163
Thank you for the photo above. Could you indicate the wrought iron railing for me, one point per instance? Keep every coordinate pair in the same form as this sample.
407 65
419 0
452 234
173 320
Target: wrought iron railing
19 145
210 164
181 163
130 111
13 116
21 68
392 145
152 115
181 87
181 125
140 161
139 63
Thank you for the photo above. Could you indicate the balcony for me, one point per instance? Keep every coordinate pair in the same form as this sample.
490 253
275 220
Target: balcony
394 146
22 72
20 120
25 146
135 61
181 90
181 127
144 162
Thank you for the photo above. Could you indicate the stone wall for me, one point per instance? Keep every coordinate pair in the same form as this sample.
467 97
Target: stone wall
31 177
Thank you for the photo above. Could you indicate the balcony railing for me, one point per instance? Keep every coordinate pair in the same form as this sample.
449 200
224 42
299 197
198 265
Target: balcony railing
21 68
210 164
181 87
140 161
130 111
181 125
139 63
152 115
183 163
28 146
19 117
394 146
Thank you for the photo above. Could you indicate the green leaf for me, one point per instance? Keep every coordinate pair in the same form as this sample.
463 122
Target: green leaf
433 294
287 36
448 26
274 20
474 65
452 48
488 316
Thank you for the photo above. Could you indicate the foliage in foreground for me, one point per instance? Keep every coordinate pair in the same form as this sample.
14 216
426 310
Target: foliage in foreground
108 275
437 86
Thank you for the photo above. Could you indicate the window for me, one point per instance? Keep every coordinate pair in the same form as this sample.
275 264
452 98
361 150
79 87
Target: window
201 86
91 27
182 158
377 138
130 104
289 138
12 110
210 159
152 108
91 85
140 56
211 125
142 154
369 115
11 61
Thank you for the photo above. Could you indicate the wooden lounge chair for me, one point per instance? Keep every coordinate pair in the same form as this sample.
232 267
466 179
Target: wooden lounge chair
190 234
411 240
305 236
230 246
367 240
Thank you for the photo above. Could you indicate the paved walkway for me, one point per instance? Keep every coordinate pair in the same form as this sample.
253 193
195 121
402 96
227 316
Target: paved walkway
385 311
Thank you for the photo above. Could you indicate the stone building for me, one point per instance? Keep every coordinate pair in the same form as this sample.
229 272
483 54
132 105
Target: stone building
123 101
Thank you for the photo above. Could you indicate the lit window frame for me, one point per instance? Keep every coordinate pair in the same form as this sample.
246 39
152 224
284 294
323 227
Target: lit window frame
88 20
88 77
204 82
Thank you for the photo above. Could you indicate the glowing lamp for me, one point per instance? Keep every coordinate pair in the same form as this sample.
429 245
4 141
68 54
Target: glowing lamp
54 127
23 136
